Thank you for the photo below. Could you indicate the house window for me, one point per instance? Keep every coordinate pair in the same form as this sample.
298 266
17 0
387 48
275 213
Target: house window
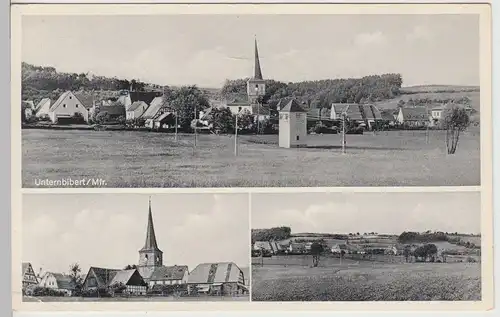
64 105
70 97
76 105
239 109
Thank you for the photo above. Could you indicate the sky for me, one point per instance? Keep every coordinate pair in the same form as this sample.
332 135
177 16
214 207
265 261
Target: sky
208 49
384 213
107 230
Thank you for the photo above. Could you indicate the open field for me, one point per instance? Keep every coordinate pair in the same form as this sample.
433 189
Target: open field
136 299
367 281
145 159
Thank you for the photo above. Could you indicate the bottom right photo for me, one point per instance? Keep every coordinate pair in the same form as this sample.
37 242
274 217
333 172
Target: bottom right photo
366 246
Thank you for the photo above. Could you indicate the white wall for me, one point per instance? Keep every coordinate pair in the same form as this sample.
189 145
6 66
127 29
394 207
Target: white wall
68 107
284 129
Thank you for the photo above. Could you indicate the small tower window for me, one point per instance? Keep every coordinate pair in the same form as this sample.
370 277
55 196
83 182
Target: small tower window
297 137
70 97
146 256
64 105
76 105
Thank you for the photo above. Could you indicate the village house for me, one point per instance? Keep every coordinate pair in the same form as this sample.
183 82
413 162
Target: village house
224 278
169 275
152 111
58 282
165 120
29 277
108 278
413 117
296 248
42 108
272 246
68 109
136 110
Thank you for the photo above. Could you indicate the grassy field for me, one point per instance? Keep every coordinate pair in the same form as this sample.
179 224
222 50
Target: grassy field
136 299
366 281
145 159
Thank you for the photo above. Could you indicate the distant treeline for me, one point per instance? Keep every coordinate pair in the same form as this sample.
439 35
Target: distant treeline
271 234
427 237
45 82
322 93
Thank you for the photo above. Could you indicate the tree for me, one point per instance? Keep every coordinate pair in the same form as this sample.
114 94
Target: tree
316 250
407 252
245 120
221 120
185 101
76 278
455 121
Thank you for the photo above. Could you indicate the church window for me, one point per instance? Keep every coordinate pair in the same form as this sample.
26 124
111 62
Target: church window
297 137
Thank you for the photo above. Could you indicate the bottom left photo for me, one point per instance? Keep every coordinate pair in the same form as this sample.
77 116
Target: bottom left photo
135 247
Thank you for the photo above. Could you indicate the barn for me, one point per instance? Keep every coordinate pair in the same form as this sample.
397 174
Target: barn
223 278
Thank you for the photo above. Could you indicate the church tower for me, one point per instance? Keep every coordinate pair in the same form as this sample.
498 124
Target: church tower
256 86
150 256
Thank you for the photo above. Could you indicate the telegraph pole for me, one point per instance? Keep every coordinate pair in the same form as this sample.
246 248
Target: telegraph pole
236 135
176 124
195 125
343 132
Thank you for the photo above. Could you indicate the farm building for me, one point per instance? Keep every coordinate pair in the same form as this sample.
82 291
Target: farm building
292 125
296 248
169 275
224 278
59 282
128 97
42 108
152 111
114 111
68 109
271 246
413 117
164 121
29 277
103 277
136 110
347 248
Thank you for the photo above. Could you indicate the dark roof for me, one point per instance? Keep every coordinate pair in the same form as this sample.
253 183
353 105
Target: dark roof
282 102
150 243
128 277
146 96
114 110
175 272
104 276
64 281
85 98
415 114
292 106
315 113
257 70
136 105
387 116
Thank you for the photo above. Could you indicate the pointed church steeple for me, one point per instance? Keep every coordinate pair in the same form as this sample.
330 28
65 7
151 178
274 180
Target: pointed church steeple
257 71
150 233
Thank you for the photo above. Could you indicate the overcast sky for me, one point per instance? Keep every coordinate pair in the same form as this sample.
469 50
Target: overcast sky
390 213
207 49
107 230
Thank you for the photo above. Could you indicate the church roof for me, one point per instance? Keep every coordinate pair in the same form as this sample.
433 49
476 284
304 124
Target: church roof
257 70
150 243
292 106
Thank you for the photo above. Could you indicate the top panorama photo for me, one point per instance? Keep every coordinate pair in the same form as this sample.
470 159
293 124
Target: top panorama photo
250 100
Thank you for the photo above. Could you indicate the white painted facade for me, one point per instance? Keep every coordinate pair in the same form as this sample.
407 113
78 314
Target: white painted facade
292 129
66 107
50 281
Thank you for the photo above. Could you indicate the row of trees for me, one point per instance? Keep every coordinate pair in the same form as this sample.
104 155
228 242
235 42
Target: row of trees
37 79
427 237
322 93
271 234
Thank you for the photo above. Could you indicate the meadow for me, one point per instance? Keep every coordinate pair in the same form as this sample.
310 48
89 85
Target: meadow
365 281
145 159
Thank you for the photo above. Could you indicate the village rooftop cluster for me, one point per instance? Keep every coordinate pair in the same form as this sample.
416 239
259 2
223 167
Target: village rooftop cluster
148 278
